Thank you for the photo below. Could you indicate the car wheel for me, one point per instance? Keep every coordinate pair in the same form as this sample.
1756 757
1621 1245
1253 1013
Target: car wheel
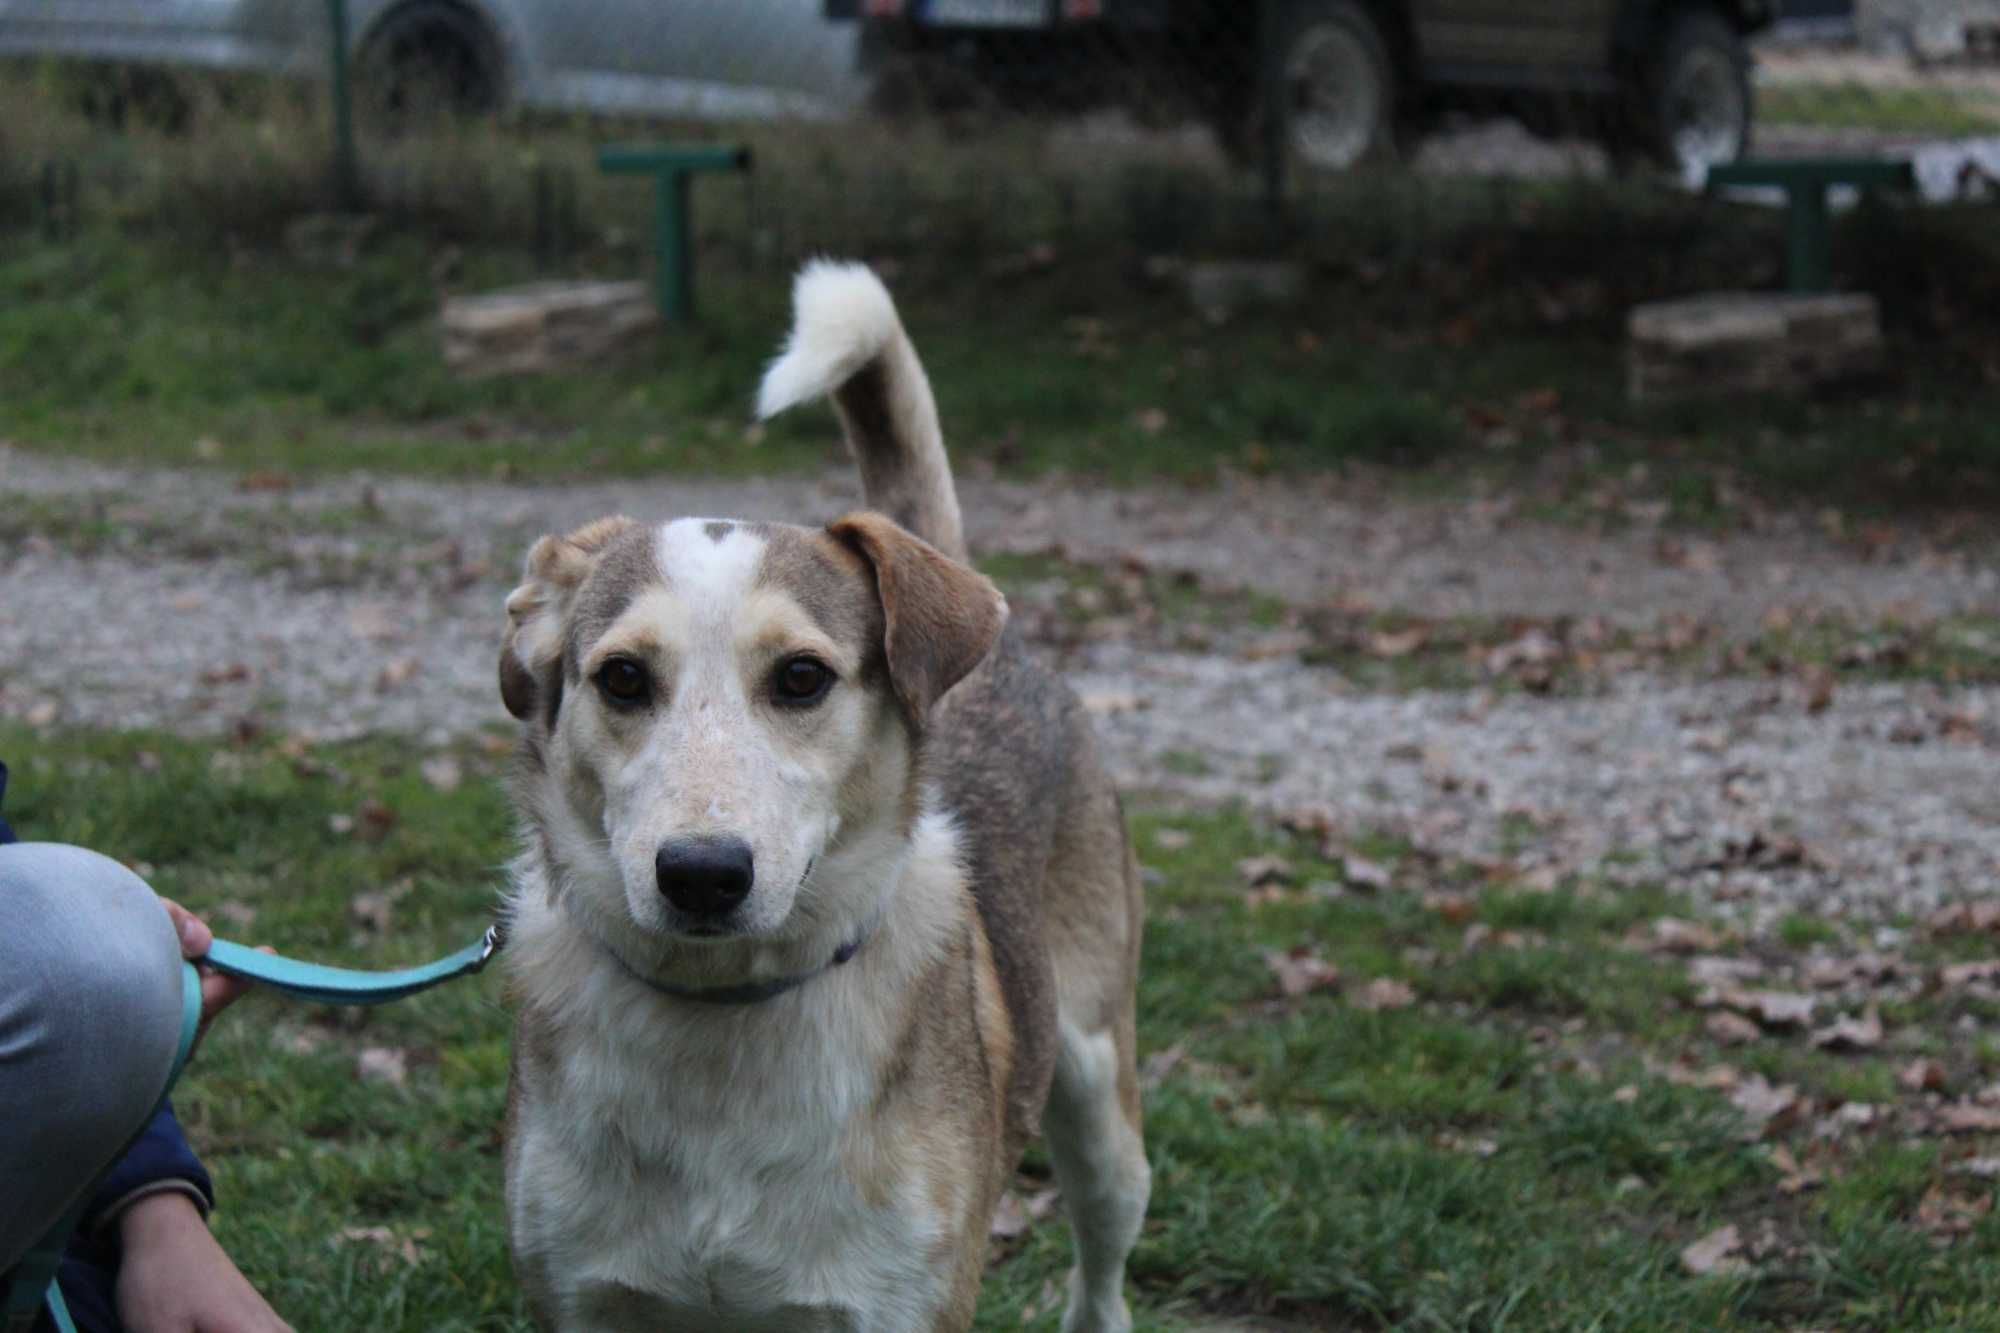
1698 96
429 60
1339 86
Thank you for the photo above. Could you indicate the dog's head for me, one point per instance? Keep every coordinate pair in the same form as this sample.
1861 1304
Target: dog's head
722 719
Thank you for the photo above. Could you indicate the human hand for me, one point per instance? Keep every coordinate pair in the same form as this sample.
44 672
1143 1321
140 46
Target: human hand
218 991
175 1278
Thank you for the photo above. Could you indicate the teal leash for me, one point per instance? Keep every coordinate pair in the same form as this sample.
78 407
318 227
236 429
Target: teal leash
305 981
341 985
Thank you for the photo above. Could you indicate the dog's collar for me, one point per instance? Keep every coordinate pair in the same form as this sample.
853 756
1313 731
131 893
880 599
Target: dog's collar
748 992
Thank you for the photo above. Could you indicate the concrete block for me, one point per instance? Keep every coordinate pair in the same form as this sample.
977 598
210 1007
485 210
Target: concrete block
545 326
1751 342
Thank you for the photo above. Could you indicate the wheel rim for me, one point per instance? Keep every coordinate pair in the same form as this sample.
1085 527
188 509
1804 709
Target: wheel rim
1335 97
1706 111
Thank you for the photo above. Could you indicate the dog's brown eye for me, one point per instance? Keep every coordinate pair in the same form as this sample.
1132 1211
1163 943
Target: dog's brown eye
802 680
623 681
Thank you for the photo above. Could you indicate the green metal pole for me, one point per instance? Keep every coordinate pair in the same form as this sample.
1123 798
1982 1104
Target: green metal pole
1805 238
346 173
671 250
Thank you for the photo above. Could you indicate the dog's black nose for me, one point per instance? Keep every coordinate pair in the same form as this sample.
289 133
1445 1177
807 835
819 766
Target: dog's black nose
705 877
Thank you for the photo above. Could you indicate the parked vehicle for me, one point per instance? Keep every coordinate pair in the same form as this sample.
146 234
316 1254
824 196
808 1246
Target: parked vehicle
1667 78
700 57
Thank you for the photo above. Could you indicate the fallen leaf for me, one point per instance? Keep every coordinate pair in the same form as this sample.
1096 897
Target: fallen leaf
387 1243
1151 420
1160 1064
1672 935
231 674
442 772
266 482
1111 703
1361 873
1712 1253
1397 643
373 820
1768 1107
1385 993
395 675
1731 1029
1774 1009
1259 870
1851 1034
1964 974
1925 1075
1945 1214
1967 1118
372 910
1455 908
1300 971
384 1064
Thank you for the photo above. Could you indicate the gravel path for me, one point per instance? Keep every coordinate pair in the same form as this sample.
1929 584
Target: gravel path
353 605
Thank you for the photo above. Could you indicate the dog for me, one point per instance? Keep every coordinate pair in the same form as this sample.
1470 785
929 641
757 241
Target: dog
825 905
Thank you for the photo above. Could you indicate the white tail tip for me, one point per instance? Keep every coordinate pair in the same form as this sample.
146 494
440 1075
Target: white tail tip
842 318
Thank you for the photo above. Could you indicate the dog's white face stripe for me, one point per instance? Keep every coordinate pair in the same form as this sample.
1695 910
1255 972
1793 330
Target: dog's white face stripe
711 565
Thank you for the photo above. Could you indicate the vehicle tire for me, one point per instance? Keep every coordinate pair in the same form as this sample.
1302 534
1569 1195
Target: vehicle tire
427 60
1339 86
1695 107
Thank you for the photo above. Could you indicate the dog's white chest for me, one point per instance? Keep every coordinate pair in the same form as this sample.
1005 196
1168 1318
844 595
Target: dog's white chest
649 1204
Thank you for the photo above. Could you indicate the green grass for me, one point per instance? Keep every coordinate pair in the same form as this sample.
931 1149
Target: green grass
1470 1161
1942 111
126 346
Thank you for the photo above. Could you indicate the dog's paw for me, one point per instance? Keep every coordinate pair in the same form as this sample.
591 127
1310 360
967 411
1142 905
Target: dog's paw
1100 1314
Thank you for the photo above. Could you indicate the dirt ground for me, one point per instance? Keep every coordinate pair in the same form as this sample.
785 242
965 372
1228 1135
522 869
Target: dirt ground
339 607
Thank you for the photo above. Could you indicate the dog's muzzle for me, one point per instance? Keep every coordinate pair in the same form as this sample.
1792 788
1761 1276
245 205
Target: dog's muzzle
705 878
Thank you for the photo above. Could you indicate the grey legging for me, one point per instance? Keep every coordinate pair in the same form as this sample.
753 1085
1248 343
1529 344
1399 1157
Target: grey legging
90 1015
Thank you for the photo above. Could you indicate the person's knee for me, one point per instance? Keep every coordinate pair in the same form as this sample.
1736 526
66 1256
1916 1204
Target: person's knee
92 997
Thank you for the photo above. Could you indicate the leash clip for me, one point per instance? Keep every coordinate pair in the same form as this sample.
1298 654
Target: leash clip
490 944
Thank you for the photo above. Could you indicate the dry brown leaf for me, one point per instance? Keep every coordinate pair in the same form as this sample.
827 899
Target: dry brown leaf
1361 873
385 1064
1768 1107
373 820
1925 1075
1397 643
1455 908
1965 974
1385 993
1300 971
1673 935
395 675
1774 1009
1259 870
1851 1034
373 910
231 674
1159 1064
1967 1118
1713 1253
1945 1214
442 772
1731 1029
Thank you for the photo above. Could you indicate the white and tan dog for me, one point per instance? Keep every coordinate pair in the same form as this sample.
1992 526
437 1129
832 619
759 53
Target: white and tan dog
825 906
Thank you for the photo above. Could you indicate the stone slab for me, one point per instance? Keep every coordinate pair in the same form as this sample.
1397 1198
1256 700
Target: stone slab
545 326
1738 342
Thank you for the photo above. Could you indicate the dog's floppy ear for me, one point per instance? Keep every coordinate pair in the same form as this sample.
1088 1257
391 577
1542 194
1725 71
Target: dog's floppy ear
940 617
530 658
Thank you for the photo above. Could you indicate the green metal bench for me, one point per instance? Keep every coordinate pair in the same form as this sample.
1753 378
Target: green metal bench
1806 182
672 167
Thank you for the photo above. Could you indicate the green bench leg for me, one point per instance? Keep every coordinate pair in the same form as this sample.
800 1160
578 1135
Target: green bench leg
1806 268
671 252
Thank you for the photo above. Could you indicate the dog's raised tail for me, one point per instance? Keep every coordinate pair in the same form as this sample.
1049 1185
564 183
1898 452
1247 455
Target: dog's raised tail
847 342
